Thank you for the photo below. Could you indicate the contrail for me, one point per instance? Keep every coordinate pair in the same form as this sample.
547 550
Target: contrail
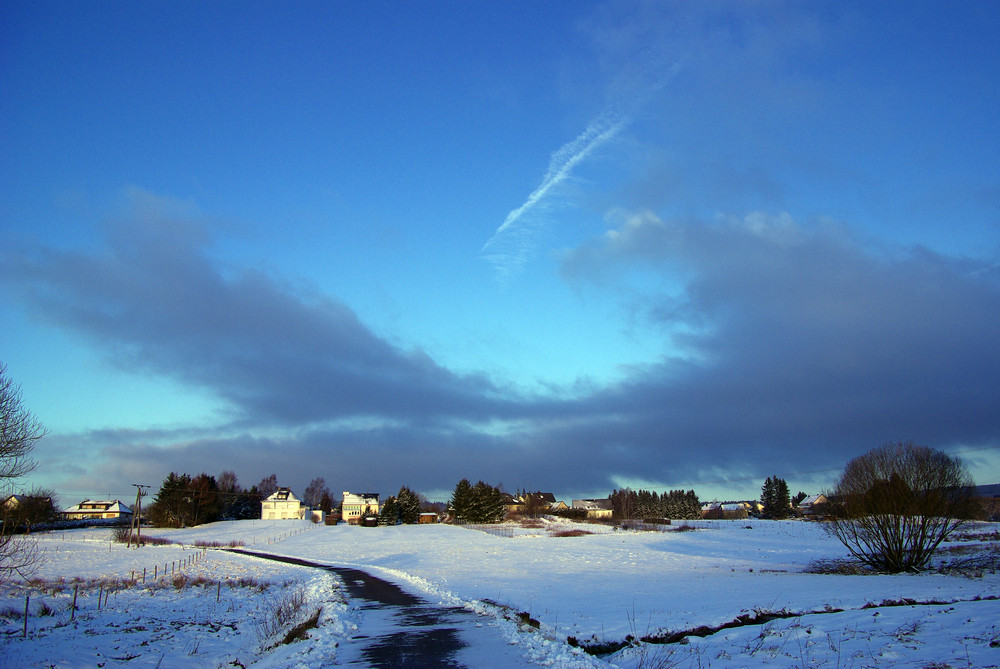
561 166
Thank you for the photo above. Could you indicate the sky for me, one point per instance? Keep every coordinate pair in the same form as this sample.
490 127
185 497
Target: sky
555 246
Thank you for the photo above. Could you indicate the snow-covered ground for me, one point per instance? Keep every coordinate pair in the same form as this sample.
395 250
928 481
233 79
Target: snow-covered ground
216 608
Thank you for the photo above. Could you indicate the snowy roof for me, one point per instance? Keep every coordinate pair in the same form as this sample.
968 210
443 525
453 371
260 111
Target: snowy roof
101 506
360 498
592 504
282 495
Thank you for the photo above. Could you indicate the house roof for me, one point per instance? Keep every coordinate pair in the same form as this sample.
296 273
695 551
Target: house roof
815 499
15 499
282 495
360 498
99 506
592 504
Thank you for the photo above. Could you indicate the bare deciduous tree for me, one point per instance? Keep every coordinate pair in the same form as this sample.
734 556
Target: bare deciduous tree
894 505
314 492
19 430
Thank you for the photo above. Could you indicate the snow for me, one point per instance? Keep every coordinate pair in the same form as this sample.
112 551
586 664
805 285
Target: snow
601 586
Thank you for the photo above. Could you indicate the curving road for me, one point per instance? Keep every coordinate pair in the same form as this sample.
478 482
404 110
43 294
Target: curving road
411 632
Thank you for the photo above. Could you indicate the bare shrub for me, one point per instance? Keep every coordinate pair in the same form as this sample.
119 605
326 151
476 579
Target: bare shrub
234 543
571 533
684 527
894 505
19 430
249 582
121 533
280 614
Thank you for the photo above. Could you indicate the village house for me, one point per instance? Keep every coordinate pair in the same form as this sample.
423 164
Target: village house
812 506
513 505
597 509
355 507
725 510
90 509
282 504
531 502
14 502
27 509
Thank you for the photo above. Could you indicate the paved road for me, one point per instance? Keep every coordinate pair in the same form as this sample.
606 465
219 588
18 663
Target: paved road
409 630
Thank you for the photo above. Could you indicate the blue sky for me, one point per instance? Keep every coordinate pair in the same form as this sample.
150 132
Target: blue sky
556 246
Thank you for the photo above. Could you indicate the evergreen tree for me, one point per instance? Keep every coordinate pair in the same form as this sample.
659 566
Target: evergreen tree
487 504
246 505
409 506
775 499
692 505
204 499
783 501
170 506
461 501
390 512
623 504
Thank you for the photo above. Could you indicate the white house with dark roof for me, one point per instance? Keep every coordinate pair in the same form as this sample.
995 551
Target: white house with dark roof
282 504
90 509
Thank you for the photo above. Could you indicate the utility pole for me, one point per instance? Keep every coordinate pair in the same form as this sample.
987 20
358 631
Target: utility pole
136 515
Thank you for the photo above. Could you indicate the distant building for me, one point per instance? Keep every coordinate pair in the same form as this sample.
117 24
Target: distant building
282 505
813 506
596 508
356 506
27 510
725 510
90 509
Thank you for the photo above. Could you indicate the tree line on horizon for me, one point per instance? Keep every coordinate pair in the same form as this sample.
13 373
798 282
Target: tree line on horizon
627 504
184 500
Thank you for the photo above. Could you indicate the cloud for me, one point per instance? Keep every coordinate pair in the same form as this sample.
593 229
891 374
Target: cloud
788 348
798 344
155 301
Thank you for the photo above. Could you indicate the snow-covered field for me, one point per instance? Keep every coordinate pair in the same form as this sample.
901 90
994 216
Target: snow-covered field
217 609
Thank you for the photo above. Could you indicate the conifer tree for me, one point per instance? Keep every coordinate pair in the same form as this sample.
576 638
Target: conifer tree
408 503
775 499
461 501
389 515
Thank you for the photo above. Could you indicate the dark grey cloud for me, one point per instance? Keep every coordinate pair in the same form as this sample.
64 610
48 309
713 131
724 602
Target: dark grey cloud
155 300
798 345
790 348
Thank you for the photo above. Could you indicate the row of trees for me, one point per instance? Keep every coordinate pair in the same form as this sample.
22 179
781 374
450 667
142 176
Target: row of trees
404 507
184 500
480 503
628 504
